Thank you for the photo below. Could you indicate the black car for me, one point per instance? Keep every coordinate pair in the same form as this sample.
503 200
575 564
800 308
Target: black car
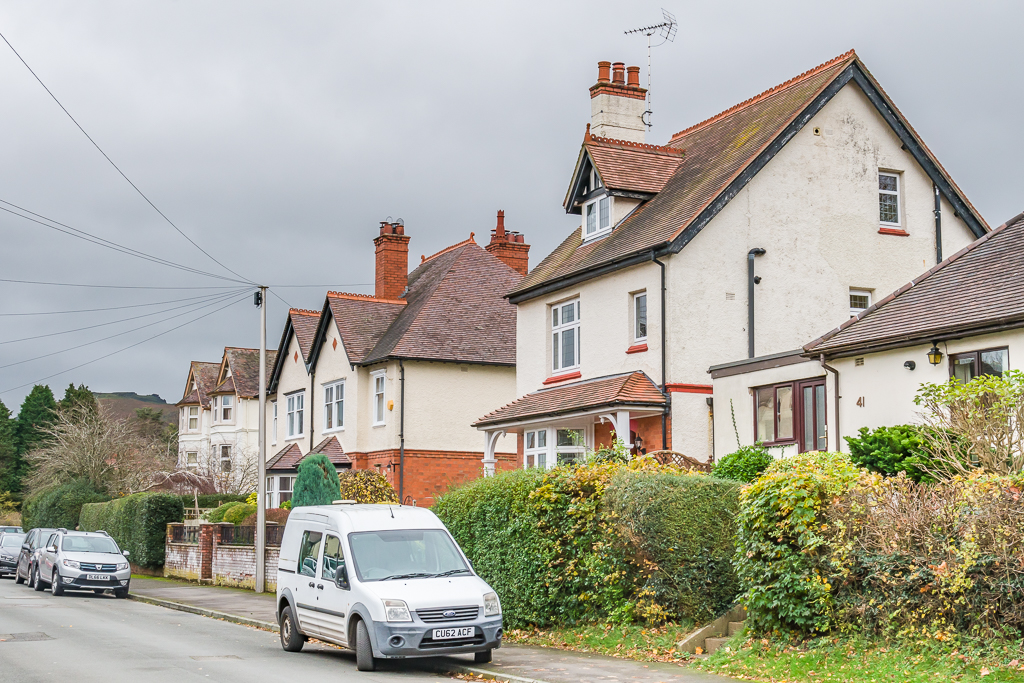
10 547
29 555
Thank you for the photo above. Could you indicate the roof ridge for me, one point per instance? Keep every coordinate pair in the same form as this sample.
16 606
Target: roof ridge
424 259
303 311
770 91
364 297
632 145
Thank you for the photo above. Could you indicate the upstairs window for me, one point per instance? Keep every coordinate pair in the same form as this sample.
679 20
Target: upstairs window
597 217
226 404
640 317
889 199
216 408
273 422
334 405
565 336
296 404
966 366
225 458
193 418
378 397
860 300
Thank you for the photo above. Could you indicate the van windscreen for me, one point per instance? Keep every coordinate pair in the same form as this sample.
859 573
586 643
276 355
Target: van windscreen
405 554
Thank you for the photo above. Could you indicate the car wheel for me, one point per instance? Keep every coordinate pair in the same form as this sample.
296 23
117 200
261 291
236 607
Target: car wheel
364 651
17 577
120 593
55 586
36 583
291 639
482 657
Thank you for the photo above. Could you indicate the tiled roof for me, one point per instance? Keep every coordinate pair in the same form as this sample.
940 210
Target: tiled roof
304 323
205 376
717 152
978 288
331 447
290 457
361 321
225 387
245 371
632 166
630 388
286 459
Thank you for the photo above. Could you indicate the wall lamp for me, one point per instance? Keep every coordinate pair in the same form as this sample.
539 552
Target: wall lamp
934 355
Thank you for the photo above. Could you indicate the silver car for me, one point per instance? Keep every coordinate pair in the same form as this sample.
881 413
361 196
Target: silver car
83 560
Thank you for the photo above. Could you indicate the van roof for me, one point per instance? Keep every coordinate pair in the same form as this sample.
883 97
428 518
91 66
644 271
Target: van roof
376 517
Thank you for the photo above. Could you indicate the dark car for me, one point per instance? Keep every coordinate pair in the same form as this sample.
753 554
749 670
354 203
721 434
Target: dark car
29 555
10 547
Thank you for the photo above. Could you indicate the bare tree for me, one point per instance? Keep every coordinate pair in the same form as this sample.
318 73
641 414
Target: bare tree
239 477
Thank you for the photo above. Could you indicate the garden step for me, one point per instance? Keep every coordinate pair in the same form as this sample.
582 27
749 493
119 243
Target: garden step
736 627
712 644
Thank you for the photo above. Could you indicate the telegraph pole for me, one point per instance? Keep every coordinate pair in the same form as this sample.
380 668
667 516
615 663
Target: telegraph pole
261 477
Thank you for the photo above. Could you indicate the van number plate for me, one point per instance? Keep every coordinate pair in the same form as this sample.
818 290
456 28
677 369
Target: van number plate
449 633
96 577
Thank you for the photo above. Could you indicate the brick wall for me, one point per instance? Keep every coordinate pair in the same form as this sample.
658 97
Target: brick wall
211 562
235 565
182 561
392 265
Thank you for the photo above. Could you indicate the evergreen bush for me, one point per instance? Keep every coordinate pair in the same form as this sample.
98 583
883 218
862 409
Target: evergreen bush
745 464
275 515
366 486
236 514
138 523
316 482
60 506
217 514
890 450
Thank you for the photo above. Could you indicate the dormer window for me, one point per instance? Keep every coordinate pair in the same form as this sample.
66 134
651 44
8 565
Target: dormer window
597 217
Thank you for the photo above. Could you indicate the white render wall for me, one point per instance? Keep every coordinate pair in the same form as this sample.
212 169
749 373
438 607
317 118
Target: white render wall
293 378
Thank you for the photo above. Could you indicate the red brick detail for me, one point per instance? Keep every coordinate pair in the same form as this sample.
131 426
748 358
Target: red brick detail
563 378
637 348
689 388
893 231
618 85
509 247
206 534
429 473
392 268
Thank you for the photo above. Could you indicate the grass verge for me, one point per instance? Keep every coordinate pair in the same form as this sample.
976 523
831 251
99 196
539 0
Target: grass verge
643 643
864 661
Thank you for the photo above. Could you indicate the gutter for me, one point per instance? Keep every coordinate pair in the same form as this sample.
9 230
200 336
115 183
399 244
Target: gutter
943 334
829 368
664 348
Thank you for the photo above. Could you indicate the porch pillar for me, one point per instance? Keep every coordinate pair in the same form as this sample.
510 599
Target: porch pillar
490 439
622 427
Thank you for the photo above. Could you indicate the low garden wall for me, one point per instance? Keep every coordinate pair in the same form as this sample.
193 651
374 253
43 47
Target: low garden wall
201 554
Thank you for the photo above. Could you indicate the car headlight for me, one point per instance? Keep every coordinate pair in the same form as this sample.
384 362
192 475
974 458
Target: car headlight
492 607
70 563
122 566
397 610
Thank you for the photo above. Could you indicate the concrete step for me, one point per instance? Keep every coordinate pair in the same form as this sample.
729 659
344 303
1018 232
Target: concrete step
712 644
736 627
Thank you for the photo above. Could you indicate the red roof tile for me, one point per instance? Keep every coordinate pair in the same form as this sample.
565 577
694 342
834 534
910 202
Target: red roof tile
331 447
631 388
286 459
304 323
205 377
632 166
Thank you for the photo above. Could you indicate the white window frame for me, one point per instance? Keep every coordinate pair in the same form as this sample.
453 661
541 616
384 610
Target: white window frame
859 292
334 407
224 453
637 337
379 405
273 422
578 450
558 328
189 416
280 490
295 407
227 408
897 193
602 223
191 465
532 446
215 404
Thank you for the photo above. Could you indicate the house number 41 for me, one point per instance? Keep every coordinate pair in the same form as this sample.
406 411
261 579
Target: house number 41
860 401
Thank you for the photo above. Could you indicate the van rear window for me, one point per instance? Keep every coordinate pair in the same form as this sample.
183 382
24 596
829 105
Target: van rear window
405 554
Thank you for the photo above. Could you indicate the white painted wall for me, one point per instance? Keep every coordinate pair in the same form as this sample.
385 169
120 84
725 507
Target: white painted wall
293 378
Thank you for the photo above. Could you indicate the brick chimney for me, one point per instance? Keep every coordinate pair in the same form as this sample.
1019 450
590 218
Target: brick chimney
618 103
509 247
392 275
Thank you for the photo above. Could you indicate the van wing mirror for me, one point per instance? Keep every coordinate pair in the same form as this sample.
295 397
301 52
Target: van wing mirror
341 579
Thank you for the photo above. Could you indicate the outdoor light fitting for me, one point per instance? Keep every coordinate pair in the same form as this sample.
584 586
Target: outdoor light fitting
910 365
934 355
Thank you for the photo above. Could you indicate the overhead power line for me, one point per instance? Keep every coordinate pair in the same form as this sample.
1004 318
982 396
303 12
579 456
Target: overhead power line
116 167
108 308
78 284
130 346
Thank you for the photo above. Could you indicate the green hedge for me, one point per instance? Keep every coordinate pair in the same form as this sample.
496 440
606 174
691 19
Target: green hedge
211 500
138 523
602 542
745 464
60 506
238 513
217 515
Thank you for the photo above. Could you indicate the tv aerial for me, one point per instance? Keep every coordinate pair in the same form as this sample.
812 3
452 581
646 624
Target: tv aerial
667 31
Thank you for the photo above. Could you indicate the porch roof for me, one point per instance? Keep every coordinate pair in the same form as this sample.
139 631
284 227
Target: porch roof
290 457
611 391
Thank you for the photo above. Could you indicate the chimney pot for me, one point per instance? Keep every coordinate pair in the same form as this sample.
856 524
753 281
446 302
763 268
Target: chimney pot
499 231
619 73
509 247
603 69
633 76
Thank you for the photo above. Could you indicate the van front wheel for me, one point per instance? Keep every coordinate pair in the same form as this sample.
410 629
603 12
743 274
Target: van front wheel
364 651
482 657
291 639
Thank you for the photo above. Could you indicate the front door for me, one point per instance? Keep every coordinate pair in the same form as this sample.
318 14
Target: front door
334 601
306 580
813 435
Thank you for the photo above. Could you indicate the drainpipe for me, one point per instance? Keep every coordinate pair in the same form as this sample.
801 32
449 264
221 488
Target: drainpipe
938 225
664 346
751 281
401 434
312 395
829 368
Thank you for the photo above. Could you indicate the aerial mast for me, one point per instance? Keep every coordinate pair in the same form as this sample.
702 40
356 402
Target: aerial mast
667 30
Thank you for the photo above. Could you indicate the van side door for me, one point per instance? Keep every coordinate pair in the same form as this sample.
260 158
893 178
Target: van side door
335 597
306 574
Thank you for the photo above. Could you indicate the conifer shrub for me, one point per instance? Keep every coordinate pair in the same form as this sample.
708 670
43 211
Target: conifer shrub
316 482
891 450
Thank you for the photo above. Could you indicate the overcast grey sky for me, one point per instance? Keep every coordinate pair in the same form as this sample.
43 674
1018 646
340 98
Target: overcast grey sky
277 135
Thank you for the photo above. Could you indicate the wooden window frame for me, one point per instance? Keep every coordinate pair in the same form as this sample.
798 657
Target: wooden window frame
796 388
977 359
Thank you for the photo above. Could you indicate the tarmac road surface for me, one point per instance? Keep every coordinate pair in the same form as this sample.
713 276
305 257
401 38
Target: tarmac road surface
86 638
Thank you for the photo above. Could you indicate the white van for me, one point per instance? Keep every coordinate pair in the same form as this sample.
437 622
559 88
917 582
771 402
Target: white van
387 581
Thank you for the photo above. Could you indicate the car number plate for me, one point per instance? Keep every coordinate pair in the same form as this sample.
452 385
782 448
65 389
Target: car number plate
96 577
449 633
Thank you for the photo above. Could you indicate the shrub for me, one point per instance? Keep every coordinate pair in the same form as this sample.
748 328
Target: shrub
287 505
212 500
276 515
138 523
316 482
237 513
745 464
60 506
366 486
782 552
217 514
890 450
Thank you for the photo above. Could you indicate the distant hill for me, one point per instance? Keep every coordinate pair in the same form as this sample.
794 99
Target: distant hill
122 404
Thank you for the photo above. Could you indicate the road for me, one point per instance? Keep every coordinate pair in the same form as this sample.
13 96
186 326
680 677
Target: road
83 637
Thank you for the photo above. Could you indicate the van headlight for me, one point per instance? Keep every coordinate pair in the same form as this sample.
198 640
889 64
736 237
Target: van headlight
70 563
397 610
492 607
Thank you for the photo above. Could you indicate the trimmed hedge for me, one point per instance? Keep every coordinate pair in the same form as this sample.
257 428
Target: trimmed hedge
745 464
60 506
138 523
237 513
217 515
211 500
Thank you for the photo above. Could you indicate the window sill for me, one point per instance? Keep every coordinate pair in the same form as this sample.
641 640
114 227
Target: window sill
335 430
637 348
379 424
777 444
562 378
297 437
898 232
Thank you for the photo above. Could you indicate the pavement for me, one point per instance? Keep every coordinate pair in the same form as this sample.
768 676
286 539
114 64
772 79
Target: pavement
513 663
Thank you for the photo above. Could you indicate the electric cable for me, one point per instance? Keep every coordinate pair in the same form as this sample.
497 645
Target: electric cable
116 168
281 298
110 308
78 284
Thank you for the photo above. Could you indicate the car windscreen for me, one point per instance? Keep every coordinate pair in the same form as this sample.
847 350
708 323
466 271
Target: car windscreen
409 553
89 544
12 540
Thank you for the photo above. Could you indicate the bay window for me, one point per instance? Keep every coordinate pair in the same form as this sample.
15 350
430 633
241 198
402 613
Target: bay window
226 404
193 418
535 453
570 445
